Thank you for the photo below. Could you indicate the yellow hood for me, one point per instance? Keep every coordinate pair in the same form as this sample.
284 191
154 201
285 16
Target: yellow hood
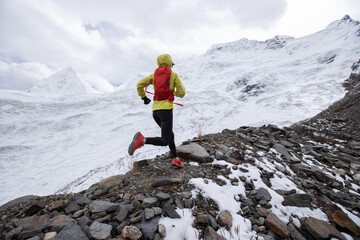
164 61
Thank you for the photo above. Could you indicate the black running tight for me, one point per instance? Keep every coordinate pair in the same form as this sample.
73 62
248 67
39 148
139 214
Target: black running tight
164 118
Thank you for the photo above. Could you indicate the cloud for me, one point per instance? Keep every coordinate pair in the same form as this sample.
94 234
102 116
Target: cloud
116 39
22 75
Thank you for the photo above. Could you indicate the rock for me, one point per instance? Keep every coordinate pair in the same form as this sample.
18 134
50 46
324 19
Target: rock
131 232
162 230
29 233
186 195
294 233
297 200
337 216
210 234
34 238
357 177
35 208
262 212
219 155
84 221
163 180
13 233
58 222
150 202
149 227
78 214
262 194
82 201
139 197
100 230
277 226
149 213
17 201
110 182
320 229
123 213
225 220
162 196
71 208
103 206
282 150
57 206
71 231
157 211
194 152
34 222
202 219
49 235
169 211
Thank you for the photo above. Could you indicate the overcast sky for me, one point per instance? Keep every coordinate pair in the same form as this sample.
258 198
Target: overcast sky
118 40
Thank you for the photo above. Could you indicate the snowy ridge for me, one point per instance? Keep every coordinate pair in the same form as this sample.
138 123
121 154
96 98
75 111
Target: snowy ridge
67 83
47 145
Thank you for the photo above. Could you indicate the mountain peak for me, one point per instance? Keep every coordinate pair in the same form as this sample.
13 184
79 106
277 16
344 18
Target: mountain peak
344 21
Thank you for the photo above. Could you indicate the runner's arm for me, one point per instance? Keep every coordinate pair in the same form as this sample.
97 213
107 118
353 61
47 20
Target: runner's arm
143 83
179 87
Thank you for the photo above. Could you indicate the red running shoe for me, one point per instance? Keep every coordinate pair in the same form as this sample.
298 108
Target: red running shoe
177 162
136 143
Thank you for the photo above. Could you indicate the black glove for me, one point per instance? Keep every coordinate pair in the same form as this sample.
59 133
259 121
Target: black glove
146 100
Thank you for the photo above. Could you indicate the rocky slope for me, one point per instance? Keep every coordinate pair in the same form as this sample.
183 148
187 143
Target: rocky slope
298 183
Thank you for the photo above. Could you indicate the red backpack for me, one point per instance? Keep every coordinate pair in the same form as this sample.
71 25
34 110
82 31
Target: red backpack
162 84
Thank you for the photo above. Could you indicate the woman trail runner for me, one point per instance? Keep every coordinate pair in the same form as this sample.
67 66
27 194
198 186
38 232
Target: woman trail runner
167 85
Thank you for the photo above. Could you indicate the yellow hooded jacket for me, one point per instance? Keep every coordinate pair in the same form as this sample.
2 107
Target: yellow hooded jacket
175 84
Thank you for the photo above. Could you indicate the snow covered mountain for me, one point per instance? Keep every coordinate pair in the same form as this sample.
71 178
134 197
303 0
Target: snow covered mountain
67 83
71 139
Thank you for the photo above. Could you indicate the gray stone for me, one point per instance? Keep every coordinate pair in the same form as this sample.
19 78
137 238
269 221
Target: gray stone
294 233
35 238
263 194
162 196
82 201
282 150
109 182
169 211
123 213
49 235
84 221
320 229
103 206
149 227
34 222
13 233
78 214
297 200
71 208
157 211
188 203
163 180
219 155
29 233
194 152
17 201
149 213
71 231
100 230
150 202
58 222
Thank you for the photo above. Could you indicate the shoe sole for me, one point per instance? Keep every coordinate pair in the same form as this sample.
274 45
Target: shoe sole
132 144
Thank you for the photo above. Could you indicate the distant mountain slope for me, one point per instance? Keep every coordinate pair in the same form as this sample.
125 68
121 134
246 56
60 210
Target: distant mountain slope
342 118
303 74
67 83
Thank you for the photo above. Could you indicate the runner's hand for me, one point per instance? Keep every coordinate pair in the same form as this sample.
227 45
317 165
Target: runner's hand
146 100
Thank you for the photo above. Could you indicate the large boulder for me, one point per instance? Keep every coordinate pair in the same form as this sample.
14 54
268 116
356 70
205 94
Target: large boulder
194 152
320 229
